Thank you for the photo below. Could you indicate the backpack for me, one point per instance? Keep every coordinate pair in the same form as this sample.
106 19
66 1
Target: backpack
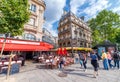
116 56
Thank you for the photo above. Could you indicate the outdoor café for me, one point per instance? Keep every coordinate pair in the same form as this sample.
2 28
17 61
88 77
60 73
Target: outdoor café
13 46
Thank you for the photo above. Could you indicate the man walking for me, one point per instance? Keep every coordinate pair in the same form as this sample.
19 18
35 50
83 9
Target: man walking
116 58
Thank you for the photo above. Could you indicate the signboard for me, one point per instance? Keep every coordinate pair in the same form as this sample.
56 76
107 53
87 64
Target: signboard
100 50
15 68
20 42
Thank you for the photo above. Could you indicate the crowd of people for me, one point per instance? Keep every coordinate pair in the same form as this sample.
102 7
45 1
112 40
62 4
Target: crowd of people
106 58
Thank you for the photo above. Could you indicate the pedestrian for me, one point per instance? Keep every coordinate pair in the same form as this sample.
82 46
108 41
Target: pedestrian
80 59
94 62
61 63
109 59
84 60
105 60
116 58
76 56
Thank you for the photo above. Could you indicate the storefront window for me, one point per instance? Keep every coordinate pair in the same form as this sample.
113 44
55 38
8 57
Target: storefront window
29 37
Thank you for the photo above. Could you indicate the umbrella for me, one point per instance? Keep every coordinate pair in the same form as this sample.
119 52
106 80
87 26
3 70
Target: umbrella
61 51
64 51
58 51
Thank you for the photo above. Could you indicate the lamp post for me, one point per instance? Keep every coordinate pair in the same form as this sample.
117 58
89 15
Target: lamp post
3 45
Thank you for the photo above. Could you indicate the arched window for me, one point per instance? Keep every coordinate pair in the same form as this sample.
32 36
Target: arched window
29 36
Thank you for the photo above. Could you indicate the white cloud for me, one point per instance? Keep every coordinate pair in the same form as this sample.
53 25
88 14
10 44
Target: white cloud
53 12
96 7
49 27
75 4
54 9
116 9
91 2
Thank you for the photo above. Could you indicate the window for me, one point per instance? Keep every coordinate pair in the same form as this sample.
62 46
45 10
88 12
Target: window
33 7
2 35
32 21
29 37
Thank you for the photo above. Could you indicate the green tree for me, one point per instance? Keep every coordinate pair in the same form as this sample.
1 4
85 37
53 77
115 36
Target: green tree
13 15
104 26
118 36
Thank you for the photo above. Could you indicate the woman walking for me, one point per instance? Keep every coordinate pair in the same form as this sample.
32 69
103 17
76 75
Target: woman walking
94 62
109 59
84 60
105 60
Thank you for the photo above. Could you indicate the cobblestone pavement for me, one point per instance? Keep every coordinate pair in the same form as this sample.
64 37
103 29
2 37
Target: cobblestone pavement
73 73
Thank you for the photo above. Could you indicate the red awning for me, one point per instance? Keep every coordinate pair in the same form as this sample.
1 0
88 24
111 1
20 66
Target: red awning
24 45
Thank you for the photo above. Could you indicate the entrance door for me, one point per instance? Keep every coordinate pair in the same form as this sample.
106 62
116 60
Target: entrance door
29 55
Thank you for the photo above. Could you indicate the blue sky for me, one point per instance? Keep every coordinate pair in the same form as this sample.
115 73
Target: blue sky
87 8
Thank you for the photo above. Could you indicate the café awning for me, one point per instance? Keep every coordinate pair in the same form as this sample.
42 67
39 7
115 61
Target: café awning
75 48
24 45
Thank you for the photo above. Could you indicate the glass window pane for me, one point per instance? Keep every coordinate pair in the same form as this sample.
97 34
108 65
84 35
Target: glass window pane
29 37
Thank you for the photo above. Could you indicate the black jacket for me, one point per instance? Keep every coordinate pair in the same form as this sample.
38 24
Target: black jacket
116 56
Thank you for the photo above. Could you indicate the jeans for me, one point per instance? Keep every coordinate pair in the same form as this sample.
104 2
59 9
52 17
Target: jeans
76 60
84 63
116 63
61 63
109 62
105 64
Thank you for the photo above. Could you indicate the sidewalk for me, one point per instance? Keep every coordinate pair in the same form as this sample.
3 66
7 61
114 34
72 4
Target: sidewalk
73 74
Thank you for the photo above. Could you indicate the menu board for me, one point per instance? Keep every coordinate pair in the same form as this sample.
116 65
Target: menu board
14 68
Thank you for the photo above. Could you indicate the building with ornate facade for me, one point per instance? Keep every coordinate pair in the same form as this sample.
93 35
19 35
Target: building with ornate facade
73 31
33 29
49 38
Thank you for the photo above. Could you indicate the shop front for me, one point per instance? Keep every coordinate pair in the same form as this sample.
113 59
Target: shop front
20 50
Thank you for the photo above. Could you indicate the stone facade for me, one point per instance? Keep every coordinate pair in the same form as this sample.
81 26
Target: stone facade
33 29
73 31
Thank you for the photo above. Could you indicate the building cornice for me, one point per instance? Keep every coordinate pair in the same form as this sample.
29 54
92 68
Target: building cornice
42 3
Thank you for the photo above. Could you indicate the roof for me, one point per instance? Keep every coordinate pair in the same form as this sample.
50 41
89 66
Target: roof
105 43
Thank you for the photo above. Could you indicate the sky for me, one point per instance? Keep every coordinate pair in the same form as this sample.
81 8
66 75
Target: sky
87 8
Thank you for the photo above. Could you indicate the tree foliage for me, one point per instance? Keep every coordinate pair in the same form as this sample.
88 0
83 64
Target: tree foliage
13 15
104 26
118 36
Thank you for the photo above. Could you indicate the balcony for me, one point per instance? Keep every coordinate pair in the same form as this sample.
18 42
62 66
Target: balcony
64 31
